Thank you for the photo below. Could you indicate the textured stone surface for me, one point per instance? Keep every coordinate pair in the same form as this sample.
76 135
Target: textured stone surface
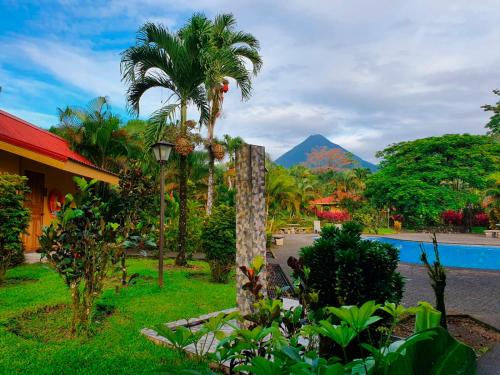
250 217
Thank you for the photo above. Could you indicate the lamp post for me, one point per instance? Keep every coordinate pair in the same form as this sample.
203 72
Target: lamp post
161 151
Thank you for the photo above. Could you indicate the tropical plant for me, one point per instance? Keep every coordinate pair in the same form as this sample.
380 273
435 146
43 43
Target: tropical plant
281 191
14 218
224 56
232 145
195 224
437 274
96 133
219 242
369 217
347 270
163 59
136 207
80 245
268 349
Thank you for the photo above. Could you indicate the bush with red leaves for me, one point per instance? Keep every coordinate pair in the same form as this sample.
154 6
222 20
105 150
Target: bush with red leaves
481 219
451 217
338 216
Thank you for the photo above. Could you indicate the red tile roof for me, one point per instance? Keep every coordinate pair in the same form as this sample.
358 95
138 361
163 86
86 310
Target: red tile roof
21 133
326 200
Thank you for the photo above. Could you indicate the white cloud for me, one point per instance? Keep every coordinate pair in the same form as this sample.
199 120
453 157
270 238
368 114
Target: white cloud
364 74
37 118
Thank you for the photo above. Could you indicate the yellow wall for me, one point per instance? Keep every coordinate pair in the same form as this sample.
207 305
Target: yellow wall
54 179
58 175
9 162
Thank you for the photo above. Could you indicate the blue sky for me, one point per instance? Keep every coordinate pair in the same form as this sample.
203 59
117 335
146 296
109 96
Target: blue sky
365 74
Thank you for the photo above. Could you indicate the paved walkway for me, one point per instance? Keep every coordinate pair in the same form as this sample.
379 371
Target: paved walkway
468 291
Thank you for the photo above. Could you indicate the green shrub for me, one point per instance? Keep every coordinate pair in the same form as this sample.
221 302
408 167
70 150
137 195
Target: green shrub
219 242
80 246
369 217
347 270
14 219
195 222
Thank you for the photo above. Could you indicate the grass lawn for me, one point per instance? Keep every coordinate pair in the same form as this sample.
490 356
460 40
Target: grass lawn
34 320
381 231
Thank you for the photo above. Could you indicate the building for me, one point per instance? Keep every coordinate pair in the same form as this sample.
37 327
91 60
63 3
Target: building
50 166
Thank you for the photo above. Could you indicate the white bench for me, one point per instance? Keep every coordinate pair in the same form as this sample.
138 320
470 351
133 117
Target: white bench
493 233
278 239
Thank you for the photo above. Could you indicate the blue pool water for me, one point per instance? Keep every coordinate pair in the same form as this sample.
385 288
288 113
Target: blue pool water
468 256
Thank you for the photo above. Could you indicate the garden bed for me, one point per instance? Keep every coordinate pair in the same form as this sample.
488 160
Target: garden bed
480 336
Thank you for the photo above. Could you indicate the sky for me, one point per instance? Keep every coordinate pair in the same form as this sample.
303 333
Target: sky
365 74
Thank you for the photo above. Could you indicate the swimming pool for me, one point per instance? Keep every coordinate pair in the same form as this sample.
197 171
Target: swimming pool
452 255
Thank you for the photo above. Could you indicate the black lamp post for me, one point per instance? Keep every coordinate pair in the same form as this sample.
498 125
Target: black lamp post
162 152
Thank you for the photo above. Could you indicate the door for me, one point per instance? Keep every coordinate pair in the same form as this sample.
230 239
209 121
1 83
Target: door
36 183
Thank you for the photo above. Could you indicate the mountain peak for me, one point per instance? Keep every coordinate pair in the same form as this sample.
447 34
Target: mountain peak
298 154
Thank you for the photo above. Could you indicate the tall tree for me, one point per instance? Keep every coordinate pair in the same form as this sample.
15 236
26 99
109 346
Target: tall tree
224 57
494 124
419 178
163 59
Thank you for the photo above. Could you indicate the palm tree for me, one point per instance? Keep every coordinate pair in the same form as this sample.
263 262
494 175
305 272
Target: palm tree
232 145
282 192
95 133
225 56
162 59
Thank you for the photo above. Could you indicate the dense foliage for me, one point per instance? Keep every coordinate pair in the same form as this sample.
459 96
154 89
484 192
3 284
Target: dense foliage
219 242
286 344
14 219
79 245
96 133
347 270
420 179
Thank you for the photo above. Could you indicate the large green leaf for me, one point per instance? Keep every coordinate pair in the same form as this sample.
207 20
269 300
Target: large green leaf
443 355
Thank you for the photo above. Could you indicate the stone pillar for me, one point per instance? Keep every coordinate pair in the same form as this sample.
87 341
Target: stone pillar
250 218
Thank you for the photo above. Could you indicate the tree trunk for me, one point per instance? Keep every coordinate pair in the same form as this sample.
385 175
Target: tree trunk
214 110
211 182
181 242
75 298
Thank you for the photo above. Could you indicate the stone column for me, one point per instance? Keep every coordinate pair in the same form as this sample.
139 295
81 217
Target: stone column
250 218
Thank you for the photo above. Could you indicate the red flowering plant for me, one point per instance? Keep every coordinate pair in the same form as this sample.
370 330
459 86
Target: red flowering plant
481 219
451 217
334 216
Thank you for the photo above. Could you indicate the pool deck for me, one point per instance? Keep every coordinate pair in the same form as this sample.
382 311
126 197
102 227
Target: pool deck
454 238
469 291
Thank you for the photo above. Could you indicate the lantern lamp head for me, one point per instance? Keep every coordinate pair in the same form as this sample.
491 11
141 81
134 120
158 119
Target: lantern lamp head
162 151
